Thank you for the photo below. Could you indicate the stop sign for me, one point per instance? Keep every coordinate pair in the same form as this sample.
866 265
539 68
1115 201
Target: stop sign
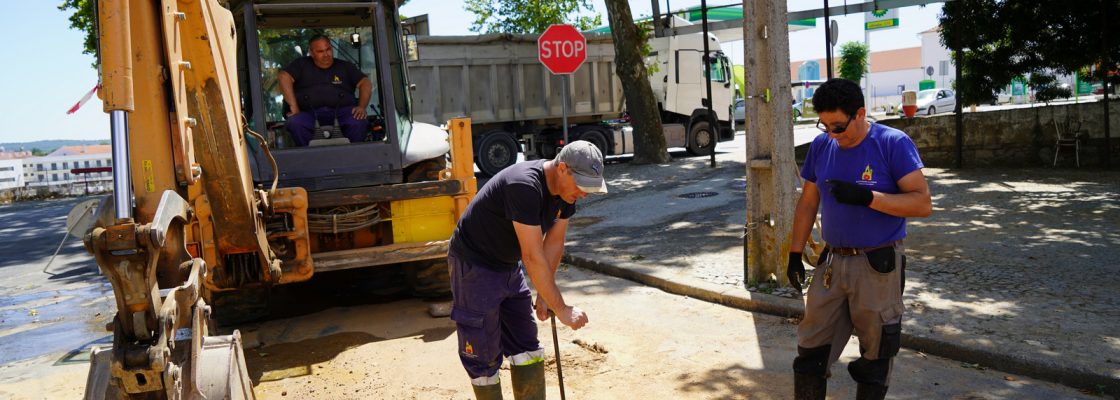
562 49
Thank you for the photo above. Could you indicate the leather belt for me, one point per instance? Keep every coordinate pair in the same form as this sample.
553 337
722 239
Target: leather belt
855 251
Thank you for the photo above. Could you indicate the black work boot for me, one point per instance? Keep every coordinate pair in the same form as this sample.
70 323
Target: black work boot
488 392
528 381
870 392
809 387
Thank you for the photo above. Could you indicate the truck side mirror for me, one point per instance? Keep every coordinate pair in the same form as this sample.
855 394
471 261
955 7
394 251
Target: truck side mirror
412 51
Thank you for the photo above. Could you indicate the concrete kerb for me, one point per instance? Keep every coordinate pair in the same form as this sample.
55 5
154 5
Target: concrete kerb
742 299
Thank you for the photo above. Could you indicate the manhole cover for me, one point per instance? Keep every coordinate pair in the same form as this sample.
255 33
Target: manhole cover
697 195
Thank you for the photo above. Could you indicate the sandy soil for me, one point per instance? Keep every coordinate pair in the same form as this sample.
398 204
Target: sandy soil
641 344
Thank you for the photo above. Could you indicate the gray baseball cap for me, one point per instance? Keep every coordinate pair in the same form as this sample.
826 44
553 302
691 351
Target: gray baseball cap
586 163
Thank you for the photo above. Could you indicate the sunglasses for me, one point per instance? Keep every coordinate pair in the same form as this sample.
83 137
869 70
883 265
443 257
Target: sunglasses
826 129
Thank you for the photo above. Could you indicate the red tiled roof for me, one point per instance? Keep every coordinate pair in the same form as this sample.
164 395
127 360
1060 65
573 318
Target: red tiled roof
88 149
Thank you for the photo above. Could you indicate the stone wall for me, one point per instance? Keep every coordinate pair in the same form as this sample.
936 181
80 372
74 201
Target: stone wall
1013 138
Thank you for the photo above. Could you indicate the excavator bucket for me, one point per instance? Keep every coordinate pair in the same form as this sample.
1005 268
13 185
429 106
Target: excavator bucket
220 373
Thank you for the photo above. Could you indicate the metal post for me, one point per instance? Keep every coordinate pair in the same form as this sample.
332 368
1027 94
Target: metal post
658 30
564 106
1105 66
959 110
122 181
827 41
713 124
867 78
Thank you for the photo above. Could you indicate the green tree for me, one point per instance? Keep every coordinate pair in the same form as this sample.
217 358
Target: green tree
83 19
38 153
629 45
1004 39
853 60
529 16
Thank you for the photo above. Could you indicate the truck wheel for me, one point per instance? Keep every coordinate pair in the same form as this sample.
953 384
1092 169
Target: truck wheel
701 140
428 278
596 138
496 151
427 170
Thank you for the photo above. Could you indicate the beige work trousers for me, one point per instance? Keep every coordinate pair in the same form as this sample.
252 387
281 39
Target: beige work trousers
858 298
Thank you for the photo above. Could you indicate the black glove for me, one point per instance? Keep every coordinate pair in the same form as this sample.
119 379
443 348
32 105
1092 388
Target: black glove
850 193
795 270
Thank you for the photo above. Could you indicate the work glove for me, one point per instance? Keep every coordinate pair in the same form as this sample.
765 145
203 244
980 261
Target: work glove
850 193
795 270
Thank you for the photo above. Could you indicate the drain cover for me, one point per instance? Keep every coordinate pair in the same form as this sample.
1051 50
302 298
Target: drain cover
697 195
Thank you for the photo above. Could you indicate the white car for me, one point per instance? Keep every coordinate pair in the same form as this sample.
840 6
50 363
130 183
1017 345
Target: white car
933 101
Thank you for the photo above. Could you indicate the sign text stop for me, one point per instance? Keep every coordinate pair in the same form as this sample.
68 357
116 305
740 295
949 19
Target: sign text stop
562 49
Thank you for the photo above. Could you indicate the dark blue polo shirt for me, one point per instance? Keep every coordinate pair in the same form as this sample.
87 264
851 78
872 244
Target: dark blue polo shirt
332 87
485 235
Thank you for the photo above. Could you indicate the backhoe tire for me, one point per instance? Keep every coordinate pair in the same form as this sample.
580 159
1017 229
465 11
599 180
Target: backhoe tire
239 306
496 151
427 170
428 278
701 139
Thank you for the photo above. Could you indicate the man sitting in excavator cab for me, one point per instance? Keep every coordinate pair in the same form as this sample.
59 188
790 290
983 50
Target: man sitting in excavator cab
319 92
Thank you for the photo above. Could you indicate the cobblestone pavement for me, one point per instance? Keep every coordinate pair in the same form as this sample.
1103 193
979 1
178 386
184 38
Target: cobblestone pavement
1015 261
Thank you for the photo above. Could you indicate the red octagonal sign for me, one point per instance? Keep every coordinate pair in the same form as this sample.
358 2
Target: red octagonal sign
562 49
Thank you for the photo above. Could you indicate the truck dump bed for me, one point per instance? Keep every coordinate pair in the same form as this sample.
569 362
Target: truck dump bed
497 78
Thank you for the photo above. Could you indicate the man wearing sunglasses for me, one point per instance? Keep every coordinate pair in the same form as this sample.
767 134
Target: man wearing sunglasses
866 178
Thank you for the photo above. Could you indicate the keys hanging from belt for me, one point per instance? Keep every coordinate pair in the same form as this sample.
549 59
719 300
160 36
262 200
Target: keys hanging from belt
827 283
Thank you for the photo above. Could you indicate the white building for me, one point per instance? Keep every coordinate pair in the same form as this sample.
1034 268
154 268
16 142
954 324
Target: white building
937 57
63 171
893 71
11 173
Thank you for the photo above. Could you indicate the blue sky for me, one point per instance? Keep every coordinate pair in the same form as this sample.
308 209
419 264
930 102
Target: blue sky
44 77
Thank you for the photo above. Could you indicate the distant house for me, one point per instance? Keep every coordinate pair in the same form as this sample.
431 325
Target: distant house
80 150
891 70
64 170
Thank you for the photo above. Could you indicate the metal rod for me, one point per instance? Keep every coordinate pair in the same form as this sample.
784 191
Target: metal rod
556 346
122 182
564 106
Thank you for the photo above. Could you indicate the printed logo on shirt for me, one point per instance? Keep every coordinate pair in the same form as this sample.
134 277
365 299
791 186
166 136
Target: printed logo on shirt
866 173
336 80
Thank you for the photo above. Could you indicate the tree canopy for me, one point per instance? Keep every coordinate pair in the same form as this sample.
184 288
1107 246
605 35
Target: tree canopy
529 16
83 20
853 60
1006 39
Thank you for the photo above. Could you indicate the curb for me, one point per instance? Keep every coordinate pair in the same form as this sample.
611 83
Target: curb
785 307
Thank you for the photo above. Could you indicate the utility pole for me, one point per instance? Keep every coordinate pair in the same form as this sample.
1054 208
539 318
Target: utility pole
771 169
827 39
959 109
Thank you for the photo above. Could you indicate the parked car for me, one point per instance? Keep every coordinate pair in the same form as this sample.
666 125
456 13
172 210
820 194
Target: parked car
933 101
740 112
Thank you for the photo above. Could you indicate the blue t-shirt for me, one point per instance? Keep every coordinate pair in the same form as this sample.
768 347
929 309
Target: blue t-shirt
485 235
878 162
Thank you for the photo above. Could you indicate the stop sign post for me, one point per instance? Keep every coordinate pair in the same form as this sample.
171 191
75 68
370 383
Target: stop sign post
562 49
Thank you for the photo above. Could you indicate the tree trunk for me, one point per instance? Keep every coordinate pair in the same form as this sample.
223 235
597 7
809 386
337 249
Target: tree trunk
649 139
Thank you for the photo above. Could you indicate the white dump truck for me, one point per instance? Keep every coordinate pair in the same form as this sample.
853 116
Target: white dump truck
515 103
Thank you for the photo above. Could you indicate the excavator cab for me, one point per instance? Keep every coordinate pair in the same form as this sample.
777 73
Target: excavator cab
364 33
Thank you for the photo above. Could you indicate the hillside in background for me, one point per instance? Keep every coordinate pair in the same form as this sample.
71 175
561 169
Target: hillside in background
47 146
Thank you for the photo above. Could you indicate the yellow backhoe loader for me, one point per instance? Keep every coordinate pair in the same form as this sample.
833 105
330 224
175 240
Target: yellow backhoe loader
211 201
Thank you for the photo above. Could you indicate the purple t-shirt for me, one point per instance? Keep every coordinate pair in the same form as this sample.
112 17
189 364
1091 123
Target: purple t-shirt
485 235
878 162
